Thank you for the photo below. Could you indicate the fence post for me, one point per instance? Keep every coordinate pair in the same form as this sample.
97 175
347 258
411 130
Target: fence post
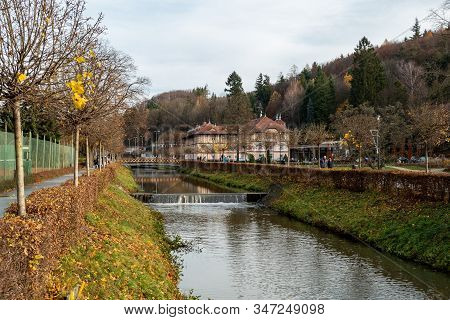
43 155
5 150
50 154
37 150
64 155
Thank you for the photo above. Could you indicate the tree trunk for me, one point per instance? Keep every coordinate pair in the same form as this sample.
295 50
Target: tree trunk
75 157
87 157
238 145
426 158
100 158
289 157
318 155
360 158
20 177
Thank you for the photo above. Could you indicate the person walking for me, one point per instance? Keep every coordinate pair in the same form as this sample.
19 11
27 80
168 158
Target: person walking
323 162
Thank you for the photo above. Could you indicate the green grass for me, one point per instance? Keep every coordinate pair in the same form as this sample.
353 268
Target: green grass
418 231
125 256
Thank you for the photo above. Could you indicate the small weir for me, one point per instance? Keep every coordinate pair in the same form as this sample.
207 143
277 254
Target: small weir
198 198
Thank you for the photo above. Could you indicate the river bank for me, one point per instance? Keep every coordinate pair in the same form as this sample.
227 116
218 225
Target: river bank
414 230
126 254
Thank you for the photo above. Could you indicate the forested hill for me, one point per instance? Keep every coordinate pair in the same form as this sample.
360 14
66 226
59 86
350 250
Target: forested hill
393 75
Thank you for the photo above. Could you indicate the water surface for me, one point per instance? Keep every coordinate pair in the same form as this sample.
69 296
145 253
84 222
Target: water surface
243 251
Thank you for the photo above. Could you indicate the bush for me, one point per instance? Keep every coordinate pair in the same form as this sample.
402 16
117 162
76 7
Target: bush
417 185
30 246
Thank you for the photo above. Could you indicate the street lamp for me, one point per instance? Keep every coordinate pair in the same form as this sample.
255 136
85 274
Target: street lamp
376 137
156 146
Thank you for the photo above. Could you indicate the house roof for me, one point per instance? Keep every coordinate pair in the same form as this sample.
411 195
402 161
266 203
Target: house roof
207 129
264 123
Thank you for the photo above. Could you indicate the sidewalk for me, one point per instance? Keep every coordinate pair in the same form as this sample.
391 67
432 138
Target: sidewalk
10 197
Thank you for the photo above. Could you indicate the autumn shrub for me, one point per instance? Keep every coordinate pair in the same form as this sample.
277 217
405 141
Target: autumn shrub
30 246
417 185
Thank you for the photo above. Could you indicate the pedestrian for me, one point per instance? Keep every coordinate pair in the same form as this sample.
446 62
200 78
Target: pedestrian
323 162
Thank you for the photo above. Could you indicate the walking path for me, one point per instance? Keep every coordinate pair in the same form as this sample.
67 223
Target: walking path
7 198
406 169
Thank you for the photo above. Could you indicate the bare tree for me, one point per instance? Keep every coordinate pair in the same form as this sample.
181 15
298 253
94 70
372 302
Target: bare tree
315 134
355 125
440 16
106 81
37 37
431 124
294 138
293 95
411 75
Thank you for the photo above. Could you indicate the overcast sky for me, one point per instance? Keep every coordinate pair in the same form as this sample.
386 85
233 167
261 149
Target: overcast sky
182 44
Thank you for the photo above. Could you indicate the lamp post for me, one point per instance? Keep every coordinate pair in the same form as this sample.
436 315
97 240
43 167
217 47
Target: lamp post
376 137
156 146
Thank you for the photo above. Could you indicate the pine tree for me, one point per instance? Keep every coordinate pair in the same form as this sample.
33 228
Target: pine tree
310 111
238 107
263 92
368 77
234 85
416 30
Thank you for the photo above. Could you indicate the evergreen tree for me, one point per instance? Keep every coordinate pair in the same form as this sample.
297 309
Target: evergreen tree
238 104
234 85
263 92
319 96
310 111
368 78
416 30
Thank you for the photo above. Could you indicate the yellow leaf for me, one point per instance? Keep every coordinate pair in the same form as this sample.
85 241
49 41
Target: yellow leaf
21 77
80 59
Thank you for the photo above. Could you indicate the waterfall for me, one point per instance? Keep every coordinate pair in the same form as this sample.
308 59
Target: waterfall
198 198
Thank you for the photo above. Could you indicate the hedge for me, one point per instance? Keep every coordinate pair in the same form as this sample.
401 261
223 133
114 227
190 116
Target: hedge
30 246
417 185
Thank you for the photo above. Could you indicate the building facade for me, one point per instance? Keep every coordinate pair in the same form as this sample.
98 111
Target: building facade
258 140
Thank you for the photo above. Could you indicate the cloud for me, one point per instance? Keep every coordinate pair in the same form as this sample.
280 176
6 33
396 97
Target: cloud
181 44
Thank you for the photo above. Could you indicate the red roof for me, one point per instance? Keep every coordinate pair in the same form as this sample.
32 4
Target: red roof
264 123
208 128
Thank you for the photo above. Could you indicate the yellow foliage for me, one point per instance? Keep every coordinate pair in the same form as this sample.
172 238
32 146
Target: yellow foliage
79 101
348 79
87 75
80 59
21 77
76 86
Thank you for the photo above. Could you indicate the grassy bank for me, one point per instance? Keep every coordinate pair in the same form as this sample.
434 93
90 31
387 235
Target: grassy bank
126 254
418 231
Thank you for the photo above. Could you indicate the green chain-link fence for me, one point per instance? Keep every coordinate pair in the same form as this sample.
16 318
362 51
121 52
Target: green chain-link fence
39 154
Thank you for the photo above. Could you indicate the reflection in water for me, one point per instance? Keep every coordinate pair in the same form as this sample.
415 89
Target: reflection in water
152 180
249 252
